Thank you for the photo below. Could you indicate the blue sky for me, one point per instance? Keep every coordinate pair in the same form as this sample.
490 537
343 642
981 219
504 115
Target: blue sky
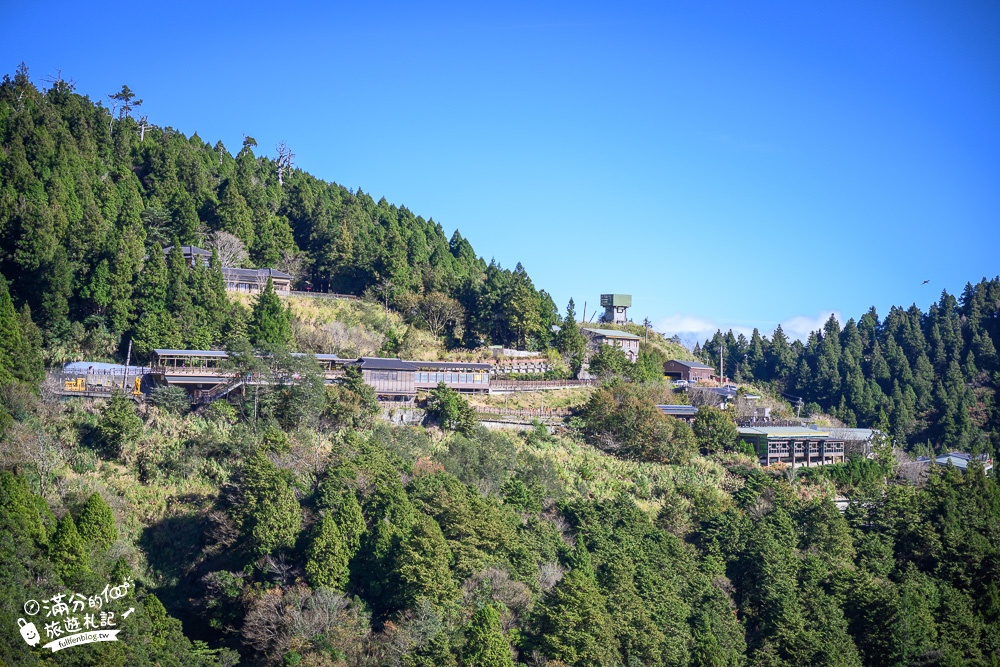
728 164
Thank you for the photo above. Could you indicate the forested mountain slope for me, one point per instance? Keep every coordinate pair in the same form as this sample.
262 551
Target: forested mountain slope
87 192
289 525
930 377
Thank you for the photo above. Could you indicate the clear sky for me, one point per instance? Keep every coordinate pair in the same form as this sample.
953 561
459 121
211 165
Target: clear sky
729 164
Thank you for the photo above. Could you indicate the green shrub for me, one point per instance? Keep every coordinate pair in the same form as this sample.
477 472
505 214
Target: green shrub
170 399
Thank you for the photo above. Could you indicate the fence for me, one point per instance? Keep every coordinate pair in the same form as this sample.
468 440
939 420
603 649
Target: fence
536 385
767 421
525 412
325 295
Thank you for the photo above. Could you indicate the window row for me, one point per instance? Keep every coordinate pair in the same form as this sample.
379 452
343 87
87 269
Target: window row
449 378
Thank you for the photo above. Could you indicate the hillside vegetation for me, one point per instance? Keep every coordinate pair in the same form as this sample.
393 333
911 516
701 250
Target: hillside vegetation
929 378
289 525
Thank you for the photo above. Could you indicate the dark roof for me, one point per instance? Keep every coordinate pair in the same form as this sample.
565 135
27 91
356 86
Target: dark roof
451 365
691 364
253 274
221 354
191 353
678 410
319 357
612 333
189 250
382 364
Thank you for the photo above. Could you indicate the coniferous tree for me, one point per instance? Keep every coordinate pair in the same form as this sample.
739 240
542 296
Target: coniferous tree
423 564
270 328
96 523
484 641
570 342
327 556
11 340
68 552
268 515
119 425
573 623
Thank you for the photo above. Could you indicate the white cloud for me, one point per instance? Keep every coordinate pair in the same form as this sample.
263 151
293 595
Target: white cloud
696 329
685 324
801 326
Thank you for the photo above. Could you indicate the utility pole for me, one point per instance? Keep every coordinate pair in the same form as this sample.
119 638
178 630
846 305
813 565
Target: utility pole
128 360
646 324
585 312
722 368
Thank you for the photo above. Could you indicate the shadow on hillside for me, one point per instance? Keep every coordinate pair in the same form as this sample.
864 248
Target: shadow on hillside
174 549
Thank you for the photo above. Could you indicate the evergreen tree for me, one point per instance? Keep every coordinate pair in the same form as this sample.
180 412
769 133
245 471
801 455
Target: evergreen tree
119 425
484 641
423 564
714 430
68 552
270 327
96 523
327 556
11 339
573 624
451 410
570 342
268 515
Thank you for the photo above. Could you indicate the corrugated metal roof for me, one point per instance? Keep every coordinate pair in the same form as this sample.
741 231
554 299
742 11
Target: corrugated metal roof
189 250
457 365
851 433
685 410
228 272
691 364
191 353
382 364
612 333
783 432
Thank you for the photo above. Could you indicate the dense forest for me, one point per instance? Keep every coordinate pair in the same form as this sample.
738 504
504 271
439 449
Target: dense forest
930 378
292 524
88 193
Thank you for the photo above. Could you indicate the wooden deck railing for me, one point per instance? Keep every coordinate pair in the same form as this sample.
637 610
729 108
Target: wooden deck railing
535 385
524 412
325 295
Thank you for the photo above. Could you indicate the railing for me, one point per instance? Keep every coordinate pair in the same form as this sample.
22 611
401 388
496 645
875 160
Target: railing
325 295
209 395
535 385
749 422
190 370
133 371
525 412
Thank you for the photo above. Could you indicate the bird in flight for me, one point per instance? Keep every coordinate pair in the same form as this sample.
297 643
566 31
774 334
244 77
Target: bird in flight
925 282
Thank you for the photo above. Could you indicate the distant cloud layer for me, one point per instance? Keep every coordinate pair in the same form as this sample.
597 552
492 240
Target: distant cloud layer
695 329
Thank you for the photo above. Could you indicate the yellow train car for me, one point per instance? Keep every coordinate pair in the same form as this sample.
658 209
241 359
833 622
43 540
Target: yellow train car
76 384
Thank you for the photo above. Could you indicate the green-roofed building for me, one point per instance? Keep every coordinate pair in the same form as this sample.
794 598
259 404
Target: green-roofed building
615 307
793 445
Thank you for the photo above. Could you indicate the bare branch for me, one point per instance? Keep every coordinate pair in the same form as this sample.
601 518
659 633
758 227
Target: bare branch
230 249
284 161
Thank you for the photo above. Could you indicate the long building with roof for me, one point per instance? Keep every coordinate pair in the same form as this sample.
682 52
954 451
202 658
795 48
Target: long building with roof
793 445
